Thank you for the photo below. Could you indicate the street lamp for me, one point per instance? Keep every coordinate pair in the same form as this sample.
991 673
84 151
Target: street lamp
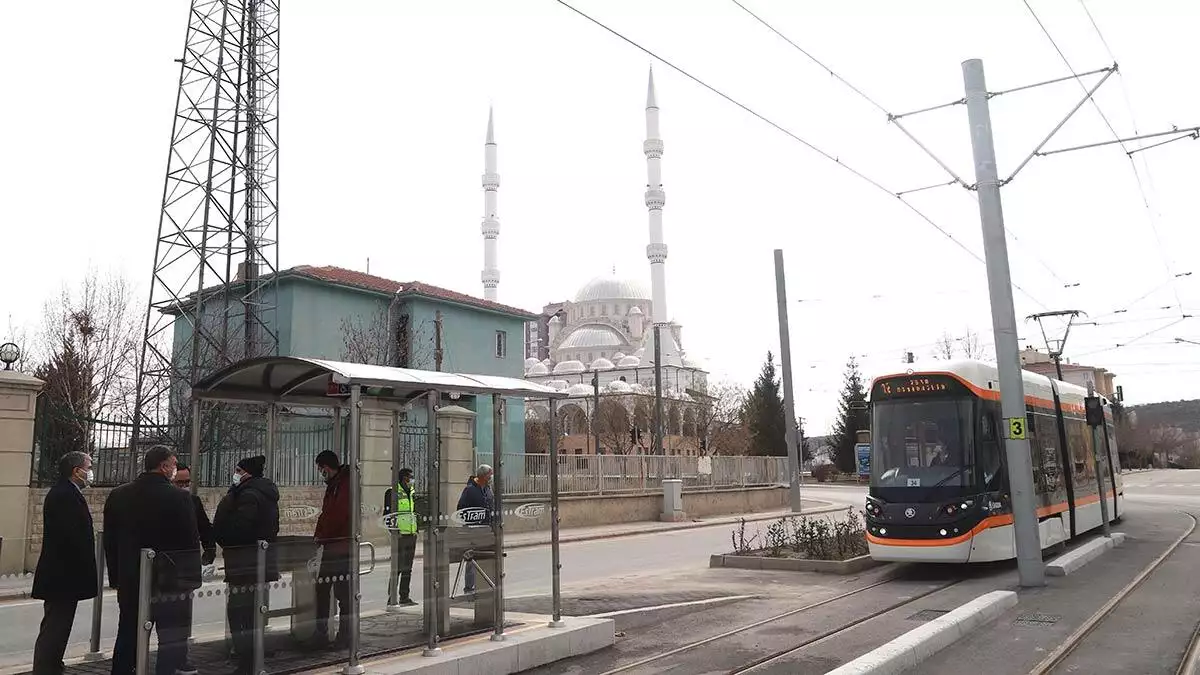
9 353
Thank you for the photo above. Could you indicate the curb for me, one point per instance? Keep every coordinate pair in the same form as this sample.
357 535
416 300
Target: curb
23 594
917 645
1083 554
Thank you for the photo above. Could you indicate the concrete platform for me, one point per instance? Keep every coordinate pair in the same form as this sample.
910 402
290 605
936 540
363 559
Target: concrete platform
918 644
1083 554
534 643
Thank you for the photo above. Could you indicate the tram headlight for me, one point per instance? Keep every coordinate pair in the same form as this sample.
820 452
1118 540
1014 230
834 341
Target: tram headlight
942 532
883 530
949 509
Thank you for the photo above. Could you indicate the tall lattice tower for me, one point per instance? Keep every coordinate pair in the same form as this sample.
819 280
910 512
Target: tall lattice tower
212 294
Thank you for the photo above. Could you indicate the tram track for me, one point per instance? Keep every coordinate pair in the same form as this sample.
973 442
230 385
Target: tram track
1191 657
808 642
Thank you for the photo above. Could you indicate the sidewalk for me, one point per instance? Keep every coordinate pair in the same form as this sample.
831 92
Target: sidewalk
18 587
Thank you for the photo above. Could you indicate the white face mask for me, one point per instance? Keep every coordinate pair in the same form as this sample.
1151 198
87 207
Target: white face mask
90 477
237 478
172 476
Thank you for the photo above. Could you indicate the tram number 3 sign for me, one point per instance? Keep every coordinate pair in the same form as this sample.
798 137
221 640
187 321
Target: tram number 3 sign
1016 428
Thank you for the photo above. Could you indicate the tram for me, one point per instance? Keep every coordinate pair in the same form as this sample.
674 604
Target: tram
939 476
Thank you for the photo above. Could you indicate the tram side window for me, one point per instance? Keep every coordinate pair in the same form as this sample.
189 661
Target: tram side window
1079 440
1046 434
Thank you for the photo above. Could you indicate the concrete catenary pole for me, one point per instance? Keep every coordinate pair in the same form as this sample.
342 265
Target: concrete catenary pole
1004 326
789 401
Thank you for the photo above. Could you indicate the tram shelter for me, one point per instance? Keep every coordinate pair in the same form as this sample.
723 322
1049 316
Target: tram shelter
366 397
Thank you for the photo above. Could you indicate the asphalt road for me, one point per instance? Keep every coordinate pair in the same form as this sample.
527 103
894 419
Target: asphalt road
527 574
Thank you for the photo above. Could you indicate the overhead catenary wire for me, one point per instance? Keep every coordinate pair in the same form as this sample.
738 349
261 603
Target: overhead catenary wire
1129 155
955 179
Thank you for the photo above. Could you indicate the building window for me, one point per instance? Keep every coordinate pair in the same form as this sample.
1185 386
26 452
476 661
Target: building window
603 310
501 344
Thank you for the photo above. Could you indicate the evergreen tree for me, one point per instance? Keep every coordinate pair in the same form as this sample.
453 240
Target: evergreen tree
852 417
763 413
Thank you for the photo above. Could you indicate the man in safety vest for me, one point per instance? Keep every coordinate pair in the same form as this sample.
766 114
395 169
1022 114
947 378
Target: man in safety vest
405 524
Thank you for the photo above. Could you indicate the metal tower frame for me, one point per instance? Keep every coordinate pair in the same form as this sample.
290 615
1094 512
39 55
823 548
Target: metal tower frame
212 293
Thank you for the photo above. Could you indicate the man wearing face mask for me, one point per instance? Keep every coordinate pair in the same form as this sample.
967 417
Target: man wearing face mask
405 524
66 569
152 513
247 514
333 535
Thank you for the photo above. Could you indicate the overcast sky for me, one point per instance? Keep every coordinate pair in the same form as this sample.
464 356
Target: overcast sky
384 108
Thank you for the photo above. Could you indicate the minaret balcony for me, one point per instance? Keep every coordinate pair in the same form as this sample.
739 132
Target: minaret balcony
657 253
653 147
490 278
490 228
655 198
491 181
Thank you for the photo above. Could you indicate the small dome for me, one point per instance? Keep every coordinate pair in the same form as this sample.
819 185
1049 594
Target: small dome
538 368
529 362
569 367
558 384
629 362
635 310
547 362
640 353
555 319
618 356
601 364
579 390
619 387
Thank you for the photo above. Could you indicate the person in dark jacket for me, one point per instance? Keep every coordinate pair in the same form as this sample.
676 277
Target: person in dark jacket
404 526
66 569
475 509
247 514
333 535
152 513
183 481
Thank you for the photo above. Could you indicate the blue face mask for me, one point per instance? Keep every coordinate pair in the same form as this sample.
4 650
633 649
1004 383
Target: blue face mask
237 478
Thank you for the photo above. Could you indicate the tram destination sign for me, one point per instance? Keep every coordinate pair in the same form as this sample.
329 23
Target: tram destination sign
917 386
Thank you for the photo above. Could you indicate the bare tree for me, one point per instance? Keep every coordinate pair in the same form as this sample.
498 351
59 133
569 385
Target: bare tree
943 348
99 322
971 346
537 434
1166 442
719 415
613 425
365 338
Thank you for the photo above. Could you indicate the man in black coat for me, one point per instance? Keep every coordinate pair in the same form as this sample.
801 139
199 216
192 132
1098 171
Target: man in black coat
183 481
152 513
66 569
247 514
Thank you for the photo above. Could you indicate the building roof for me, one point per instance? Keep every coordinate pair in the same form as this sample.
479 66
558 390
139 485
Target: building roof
355 279
592 335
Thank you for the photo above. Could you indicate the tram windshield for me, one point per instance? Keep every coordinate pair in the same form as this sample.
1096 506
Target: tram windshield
922 444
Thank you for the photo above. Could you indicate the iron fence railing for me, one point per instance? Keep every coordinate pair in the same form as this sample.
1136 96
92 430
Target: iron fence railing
599 474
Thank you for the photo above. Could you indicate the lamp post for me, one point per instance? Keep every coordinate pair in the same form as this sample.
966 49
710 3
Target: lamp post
9 354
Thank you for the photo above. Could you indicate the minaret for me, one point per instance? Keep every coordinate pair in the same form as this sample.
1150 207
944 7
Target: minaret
491 226
656 251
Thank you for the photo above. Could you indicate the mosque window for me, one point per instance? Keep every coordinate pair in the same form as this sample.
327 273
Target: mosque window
603 310
501 344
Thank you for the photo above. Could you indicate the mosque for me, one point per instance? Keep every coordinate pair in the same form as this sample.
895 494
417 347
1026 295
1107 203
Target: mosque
606 333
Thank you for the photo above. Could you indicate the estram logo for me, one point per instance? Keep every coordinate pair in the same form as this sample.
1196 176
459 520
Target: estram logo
530 511
472 515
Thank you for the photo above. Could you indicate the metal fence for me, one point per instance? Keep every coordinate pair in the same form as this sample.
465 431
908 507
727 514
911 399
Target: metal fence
599 474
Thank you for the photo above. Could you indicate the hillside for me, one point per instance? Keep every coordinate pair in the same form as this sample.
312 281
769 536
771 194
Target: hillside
1182 414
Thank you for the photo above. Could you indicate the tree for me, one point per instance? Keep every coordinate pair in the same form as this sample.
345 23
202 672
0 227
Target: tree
365 338
63 419
718 415
852 417
613 426
968 345
763 413
537 433
943 348
95 327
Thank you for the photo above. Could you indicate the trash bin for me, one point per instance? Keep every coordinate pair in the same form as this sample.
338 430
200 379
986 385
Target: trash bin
297 555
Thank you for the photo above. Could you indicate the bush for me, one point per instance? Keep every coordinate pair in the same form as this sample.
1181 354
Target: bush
824 472
814 538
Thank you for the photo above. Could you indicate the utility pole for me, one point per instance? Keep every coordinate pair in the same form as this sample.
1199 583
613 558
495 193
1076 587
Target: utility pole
437 341
789 401
658 401
1004 326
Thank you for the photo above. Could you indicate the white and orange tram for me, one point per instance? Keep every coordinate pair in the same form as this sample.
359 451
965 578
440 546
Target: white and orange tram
939 476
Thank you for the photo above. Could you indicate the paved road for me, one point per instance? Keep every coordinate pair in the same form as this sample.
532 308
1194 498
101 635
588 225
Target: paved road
528 573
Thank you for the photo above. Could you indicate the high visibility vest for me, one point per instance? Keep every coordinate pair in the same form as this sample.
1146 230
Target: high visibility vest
406 518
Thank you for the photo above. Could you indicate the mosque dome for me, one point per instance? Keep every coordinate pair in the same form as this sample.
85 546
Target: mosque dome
579 390
612 288
592 336
538 368
601 364
529 362
619 387
629 362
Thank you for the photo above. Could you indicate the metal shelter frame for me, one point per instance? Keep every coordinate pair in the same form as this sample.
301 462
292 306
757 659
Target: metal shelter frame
274 380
